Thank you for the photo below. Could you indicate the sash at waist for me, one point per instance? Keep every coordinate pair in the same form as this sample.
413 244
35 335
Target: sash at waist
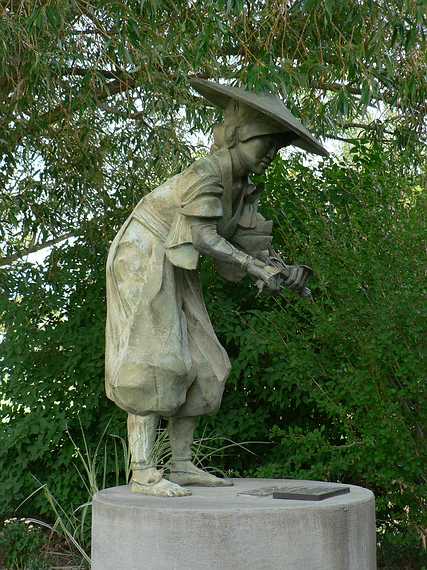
151 220
177 241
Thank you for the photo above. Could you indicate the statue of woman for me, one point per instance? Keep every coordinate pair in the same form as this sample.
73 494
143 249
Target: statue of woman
163 358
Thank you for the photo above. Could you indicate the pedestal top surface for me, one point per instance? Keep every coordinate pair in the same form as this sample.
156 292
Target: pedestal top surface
232 499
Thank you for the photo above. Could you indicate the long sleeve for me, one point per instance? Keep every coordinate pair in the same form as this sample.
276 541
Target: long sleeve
201 201
252 235
208 242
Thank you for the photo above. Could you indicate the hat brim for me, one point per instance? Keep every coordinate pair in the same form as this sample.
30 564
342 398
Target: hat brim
269 105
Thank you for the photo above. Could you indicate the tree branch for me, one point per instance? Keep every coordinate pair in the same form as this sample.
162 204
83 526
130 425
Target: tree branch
335 87
83 71
72 104
33 249
342 139
347 140
137 116
367 127
101 94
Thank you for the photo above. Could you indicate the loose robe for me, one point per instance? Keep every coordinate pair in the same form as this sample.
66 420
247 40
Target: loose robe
162 354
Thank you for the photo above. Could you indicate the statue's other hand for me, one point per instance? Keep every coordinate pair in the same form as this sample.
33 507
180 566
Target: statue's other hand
297 277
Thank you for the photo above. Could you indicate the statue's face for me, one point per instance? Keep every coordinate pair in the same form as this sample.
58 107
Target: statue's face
258 153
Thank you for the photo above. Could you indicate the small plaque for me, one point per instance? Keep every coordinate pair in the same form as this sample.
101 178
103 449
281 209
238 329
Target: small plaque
309 493
298 493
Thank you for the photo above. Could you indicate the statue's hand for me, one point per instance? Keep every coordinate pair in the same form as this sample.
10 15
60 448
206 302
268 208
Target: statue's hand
269 276
297 277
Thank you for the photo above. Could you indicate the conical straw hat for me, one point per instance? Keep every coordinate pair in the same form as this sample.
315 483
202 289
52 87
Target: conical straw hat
268 105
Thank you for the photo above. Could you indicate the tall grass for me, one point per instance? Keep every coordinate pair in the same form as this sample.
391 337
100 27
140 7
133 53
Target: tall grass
75 526
92 466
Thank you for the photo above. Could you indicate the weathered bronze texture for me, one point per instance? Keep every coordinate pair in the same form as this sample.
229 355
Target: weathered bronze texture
163 358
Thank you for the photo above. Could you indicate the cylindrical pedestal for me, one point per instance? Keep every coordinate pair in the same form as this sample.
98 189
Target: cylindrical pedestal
221 529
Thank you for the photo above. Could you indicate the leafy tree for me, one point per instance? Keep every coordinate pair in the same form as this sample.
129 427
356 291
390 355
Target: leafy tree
94 94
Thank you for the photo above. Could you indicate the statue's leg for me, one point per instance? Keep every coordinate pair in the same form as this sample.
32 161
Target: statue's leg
183 471
146 478
142 432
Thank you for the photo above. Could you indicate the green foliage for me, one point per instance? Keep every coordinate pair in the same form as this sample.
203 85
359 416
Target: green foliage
339 385
401 552
21 543
53 358
95 99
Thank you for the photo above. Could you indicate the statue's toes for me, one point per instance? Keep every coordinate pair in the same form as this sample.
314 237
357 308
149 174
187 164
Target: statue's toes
163 488
178 491
224 482
199 478
218 482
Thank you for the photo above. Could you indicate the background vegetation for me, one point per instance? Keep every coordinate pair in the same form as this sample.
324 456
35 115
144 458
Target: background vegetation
96 110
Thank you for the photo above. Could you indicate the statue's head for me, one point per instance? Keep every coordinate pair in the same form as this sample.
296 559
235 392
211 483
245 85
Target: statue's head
254 138
249 116
257 153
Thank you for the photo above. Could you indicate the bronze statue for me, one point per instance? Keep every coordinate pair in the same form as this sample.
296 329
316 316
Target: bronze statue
163 358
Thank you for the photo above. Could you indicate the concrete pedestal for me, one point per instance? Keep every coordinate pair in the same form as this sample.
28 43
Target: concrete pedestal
220 529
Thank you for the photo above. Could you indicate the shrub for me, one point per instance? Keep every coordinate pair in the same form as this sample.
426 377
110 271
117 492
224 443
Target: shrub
21 545
337 386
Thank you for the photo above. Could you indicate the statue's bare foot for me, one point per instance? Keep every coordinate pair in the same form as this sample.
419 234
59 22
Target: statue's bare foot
189 474
163 488
151 482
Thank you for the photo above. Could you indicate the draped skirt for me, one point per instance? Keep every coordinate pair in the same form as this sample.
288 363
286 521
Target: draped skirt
162 354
